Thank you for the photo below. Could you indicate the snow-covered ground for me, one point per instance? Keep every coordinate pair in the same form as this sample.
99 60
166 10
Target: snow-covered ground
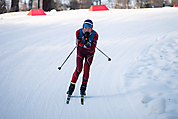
141 81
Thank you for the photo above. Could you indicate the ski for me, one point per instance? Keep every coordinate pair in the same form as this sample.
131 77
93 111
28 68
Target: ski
82 99
68 99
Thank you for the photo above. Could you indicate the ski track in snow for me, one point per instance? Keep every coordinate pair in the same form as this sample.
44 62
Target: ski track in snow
32 48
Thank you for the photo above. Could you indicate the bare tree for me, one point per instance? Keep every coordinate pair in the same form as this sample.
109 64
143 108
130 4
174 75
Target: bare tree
2 6
74 4
79 4
30 4
23 6
158 3
46 5
121 4
8 4
35 4
59 6
86 3
174 2
14 6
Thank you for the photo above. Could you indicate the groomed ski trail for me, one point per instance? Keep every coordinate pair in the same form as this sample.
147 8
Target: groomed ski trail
32 48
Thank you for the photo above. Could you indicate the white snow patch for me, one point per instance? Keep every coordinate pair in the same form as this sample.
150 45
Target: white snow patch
168 116
146 99
156 106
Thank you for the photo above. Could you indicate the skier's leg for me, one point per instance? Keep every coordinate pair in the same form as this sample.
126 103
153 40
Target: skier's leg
76 74
78 69
88 62
71 88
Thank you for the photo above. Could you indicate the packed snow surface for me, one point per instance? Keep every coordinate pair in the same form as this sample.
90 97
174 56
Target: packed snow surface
140 82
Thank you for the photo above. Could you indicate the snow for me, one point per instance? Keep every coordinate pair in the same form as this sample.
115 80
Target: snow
139 83
157 106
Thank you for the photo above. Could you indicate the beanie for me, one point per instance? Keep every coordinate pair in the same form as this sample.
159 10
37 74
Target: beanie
88 23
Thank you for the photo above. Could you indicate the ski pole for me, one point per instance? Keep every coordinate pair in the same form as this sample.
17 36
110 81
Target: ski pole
109 59
67 58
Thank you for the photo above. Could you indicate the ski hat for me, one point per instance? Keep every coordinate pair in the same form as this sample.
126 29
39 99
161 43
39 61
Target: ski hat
88 23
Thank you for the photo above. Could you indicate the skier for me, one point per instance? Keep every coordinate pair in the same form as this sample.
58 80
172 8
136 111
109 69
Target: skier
86 40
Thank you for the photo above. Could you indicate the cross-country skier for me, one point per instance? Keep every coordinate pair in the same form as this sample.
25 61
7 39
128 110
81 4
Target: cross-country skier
86 40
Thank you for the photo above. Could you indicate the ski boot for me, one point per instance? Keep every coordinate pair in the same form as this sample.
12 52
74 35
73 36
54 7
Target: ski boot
83 89
71 89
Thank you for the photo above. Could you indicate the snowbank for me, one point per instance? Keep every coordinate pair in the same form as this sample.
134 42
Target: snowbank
157 106
155 77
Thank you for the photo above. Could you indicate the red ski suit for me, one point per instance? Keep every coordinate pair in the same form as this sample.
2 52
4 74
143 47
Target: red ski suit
84 53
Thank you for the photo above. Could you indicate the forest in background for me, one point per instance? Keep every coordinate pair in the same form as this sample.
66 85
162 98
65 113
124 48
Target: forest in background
59 5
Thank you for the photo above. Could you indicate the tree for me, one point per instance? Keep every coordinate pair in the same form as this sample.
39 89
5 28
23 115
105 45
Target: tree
60 7
122 4
2 6
86 3
14 6
47 5
74 4
23 6
30 4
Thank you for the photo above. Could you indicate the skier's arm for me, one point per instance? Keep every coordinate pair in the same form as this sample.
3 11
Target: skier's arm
94 43
78 40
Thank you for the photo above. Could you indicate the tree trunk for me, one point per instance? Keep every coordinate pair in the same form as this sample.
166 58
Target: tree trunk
46 5
14 6
2 6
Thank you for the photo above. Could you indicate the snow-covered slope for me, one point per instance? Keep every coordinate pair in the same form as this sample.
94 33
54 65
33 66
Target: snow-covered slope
139 83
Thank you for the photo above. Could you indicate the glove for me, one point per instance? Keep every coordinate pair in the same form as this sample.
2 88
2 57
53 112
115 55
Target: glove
85 39
88 44
86 35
